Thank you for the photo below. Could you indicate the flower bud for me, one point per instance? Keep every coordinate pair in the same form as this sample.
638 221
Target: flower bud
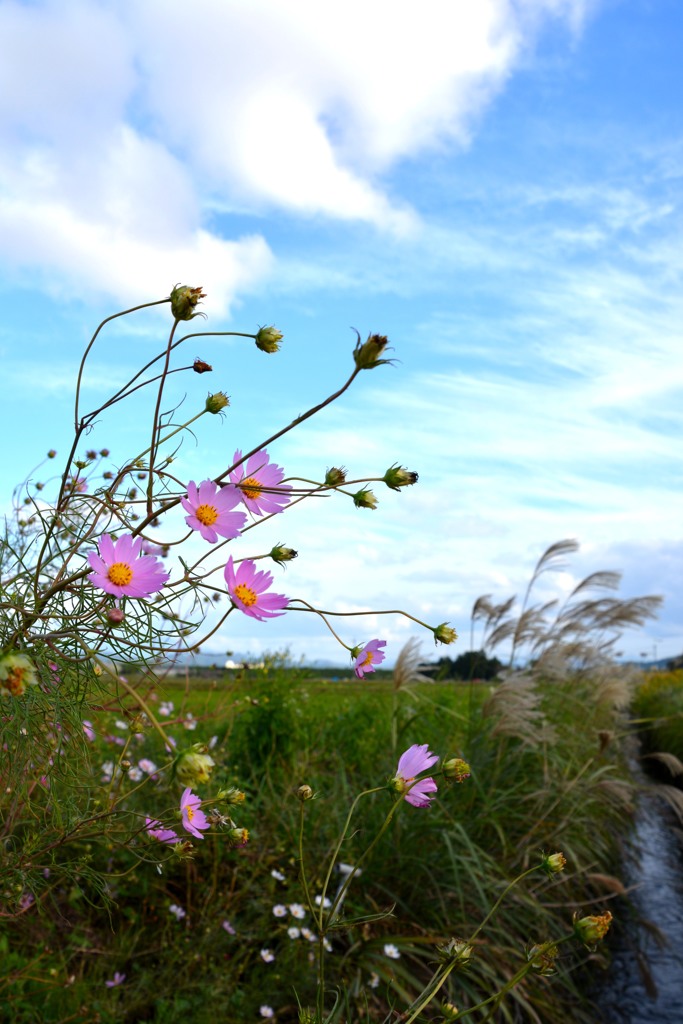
367 354
444 634
397 477
449 1010
304 793
214 403
553 863
199 366
193 766
592 928
51 454
183 301
104 453
115 616
232 795
282 554
184 850
16 673
268 339
125 765
335 477
365 499
456 769
542 959
238 836
455 951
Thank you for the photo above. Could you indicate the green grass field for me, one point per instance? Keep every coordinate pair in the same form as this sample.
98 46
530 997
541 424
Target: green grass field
200 939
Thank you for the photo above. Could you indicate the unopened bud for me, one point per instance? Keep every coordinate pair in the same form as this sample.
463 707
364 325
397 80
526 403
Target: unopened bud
444 634
125 765
238 836
397 477
367 354
199 366
184 850
553 863
542 959
268 339
214 403
365 499
456 769
115 616
232 796
282 554
104 453
183 301
304 793
51 454
593 928
455 951
193 766
335 477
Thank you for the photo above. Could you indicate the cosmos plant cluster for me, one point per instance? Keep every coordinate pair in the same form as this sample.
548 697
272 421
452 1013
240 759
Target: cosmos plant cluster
98 587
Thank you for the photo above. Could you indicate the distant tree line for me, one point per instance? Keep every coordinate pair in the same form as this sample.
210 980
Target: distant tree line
470 665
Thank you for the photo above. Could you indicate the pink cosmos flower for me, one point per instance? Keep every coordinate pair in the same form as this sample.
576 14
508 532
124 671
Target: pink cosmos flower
415 760
246 587
193 818
121 570
88 730
209 507
157 831
259 482
118 979
369 657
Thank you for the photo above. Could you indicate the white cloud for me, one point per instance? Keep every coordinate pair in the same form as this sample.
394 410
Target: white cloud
123 126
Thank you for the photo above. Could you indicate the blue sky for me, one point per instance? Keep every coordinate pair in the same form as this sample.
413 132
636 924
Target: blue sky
497 186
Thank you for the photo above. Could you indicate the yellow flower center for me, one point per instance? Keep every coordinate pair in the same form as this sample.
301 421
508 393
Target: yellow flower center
251 488
120 574
206 514
190 812
246 594
367 660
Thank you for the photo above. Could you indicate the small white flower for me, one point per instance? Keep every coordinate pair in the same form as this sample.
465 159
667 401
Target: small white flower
177 911
266 1011
346 869
147 766
267 956
293 932
212 742
228 927
165 708
277 875
296 910
324 901
279 910
308 934
391 951
327 944
134 774
190 722
120 725
374 980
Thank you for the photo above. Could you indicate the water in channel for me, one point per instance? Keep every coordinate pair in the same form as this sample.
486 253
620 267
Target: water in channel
644 984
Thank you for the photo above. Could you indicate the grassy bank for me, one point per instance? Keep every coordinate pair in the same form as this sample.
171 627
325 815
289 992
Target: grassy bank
224 932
